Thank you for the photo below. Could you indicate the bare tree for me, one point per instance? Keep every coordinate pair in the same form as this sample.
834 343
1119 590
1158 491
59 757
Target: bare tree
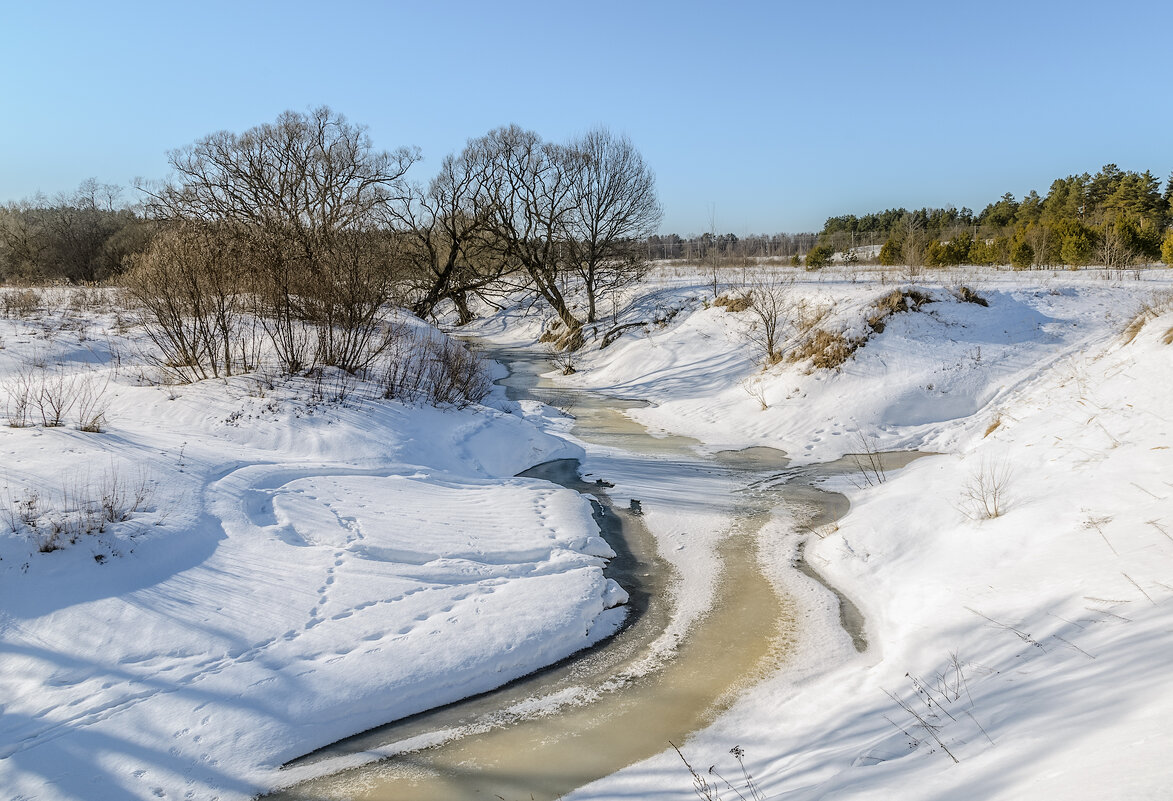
770 301
304 196
188 286
446 247
528 186
615 208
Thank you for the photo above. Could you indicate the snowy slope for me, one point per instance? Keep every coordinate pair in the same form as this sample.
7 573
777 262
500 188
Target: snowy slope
288 572
1034 646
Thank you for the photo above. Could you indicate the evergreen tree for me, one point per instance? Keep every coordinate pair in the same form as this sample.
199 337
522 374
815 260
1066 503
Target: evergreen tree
891 251
1021 255
1077 249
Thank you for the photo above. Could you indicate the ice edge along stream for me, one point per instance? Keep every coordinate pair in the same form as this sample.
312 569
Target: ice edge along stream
620 701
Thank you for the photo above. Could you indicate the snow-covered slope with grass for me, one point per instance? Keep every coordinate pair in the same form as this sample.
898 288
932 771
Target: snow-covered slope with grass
232 573
1017 587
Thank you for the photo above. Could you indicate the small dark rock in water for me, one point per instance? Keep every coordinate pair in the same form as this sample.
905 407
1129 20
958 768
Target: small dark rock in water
636 508
602 483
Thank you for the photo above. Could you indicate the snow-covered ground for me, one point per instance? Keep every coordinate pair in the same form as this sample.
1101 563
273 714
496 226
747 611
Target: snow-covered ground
257 572
1022 655
297 570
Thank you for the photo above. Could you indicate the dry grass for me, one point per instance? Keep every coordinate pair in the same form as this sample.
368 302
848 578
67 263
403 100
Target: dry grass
735 303
1160 303
992 427
826 350
895 302
829 350
21 302
967 295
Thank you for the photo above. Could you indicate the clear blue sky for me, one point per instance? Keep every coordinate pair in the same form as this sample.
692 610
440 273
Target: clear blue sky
773 114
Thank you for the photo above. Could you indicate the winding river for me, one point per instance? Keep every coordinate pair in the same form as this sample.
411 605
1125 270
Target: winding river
623 700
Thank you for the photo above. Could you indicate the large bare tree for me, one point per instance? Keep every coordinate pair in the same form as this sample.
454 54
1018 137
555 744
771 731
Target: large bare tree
528 189
305 196
615 208
446 239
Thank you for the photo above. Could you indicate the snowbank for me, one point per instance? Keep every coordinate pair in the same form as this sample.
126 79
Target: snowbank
271 573
1018 655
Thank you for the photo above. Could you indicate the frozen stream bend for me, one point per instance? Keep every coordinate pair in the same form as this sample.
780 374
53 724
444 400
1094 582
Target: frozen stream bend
683 656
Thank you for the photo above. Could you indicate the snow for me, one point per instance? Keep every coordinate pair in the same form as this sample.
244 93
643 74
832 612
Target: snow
297 571
1034 646
288 580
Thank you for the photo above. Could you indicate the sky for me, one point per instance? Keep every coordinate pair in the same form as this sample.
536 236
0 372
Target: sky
757 117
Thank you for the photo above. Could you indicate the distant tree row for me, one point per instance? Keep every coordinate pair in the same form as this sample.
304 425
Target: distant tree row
706 247
318 230
1113 218
303 227
77 237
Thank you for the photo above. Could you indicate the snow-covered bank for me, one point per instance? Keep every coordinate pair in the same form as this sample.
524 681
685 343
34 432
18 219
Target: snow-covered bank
257 573
1033 646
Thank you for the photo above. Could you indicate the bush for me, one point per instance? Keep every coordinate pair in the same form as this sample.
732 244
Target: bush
1077 249
891 252
1167 249
188 286
21 302
437 372
819 256
1022 256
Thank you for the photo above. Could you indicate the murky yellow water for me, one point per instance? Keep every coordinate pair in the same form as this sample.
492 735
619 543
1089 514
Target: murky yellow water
621 705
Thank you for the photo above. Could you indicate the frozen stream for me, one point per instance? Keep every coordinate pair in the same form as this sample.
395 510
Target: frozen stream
622 701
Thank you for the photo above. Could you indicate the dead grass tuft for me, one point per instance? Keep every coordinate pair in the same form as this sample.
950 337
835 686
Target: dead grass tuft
735 303
992 427
1160 303
826 350
967 295
895 302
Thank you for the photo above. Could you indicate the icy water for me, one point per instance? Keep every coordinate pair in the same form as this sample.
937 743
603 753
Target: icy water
624 700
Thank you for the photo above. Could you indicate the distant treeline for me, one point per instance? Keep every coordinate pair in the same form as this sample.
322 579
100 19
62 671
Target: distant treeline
79 237
1113 218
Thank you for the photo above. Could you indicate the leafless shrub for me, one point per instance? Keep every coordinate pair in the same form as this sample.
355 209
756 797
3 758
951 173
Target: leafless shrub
188 287
21 302
562 359
770 300
755 390
869 461
19 392
55 396
92 405
119 497
984 493
437 372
